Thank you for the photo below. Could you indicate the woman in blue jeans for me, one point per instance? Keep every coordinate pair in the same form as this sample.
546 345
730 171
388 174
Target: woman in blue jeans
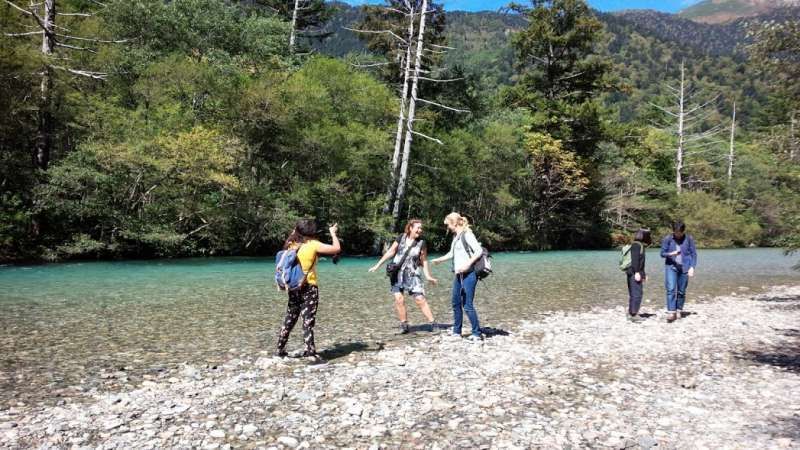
680 259
465 279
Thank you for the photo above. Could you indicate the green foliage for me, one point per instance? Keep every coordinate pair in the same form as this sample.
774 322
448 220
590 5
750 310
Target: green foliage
210 138
715 224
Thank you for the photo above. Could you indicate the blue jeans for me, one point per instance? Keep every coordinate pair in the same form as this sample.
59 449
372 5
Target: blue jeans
463 297
675 282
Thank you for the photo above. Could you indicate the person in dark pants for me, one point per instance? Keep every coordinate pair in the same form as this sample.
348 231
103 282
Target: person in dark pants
680 259
304 301
636 273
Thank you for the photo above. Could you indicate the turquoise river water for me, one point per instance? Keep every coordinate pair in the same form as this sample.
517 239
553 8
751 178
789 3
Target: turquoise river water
69 329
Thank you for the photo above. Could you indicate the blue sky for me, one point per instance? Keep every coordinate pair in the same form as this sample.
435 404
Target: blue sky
603 5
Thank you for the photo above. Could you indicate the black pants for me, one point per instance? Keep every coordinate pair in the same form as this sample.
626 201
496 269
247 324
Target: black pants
302 302
635 293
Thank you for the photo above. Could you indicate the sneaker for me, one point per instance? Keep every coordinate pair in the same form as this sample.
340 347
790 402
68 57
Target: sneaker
679 314
473 338
404 328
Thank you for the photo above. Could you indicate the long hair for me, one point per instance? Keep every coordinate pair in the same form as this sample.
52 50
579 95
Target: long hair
303 230
410 225
457 220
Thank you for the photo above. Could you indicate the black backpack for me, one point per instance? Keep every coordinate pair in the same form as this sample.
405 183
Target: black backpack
483 266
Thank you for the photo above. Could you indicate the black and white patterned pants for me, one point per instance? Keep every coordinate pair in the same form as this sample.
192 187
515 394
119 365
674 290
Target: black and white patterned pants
302 302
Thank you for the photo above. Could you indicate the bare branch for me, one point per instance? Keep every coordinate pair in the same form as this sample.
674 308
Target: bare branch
75 14
98 41
442 46
449 80
389 32
13 5
665 110
427 137
83 73
73 47
365 66
23 34
443 106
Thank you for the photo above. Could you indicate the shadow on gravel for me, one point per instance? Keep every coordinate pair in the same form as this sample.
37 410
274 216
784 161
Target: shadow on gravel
786 356
780 299
342 350
490 332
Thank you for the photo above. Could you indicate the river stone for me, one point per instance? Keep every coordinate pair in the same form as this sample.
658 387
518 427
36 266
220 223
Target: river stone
288 441
219 434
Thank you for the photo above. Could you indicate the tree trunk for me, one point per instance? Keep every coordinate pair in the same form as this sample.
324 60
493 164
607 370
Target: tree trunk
793 137
398 141
679 154
293 34
412 105
731 151
44 138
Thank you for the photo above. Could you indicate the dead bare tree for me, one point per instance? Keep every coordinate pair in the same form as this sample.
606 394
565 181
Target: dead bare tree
793 139
687 117
731 154
415 13
42 18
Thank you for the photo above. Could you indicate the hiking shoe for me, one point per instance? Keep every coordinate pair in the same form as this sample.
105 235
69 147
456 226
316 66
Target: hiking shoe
404 328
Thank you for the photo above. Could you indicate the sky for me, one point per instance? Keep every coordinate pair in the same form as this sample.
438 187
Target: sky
603 5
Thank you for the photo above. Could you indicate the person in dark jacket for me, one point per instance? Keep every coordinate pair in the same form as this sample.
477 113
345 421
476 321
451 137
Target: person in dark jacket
636 273
680 259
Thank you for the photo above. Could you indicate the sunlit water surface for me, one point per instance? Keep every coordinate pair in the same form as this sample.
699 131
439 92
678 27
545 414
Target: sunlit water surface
65 327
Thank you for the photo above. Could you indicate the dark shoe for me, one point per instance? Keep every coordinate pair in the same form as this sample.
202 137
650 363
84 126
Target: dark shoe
671 317
404 328
280 354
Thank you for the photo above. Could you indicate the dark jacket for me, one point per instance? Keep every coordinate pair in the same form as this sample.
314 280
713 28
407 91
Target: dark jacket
688 252
637 259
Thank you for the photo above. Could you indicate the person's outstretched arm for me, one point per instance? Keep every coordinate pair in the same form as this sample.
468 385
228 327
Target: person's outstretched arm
426 268
334 247
444 258
389 254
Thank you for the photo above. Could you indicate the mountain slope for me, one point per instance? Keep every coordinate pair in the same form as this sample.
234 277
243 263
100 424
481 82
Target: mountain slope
722 11
646 47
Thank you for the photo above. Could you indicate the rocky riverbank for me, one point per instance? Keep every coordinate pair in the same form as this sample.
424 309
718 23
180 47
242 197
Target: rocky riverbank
725 376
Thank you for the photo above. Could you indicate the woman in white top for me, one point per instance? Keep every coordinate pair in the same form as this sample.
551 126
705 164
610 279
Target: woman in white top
465 250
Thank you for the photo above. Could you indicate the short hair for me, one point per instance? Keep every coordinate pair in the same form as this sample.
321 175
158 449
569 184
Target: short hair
678 225
643 236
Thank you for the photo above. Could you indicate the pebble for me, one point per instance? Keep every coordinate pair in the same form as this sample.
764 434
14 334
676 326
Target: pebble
562 380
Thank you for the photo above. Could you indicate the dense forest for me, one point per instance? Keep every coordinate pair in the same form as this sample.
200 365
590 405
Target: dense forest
207 127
